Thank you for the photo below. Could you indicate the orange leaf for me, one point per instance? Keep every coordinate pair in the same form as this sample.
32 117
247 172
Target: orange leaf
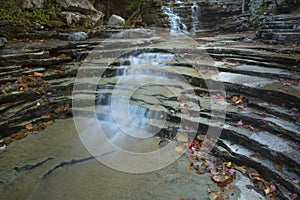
278 167
50 122
37 74
29 126
255 155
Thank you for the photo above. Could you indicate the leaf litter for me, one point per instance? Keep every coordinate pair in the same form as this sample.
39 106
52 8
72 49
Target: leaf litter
223 173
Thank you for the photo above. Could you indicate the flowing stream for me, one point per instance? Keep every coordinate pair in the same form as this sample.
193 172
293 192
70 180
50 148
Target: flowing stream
195 17
177 26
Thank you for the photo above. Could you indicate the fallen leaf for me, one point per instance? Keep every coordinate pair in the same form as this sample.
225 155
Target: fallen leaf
278 167
249 127
201 137
232 187
272 188
50 122
254 176
227 164
241 169
29 126
216 196
267 191
222 180
263 115
179 148
231 172
220 96
37 74
239 123
255 155
294 196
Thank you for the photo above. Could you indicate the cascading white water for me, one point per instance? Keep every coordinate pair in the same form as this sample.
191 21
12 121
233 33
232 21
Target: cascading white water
131 114
195 19
151 58
176 24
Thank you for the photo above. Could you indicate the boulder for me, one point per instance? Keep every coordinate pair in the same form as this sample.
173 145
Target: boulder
134 33
81 6
72 17
76 17
116 20
78 36
29 4
3 41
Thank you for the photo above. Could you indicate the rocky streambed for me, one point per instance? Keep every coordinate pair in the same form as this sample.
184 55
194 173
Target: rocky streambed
261 102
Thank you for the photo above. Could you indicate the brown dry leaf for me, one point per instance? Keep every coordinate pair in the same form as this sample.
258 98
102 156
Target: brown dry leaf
240 168
190 167
50 122
254 175
255 155
29 126
18 136
179 148
62 56
201 137
249 127
294 45
47 116
37 74
263 115
278 167
216 195
220 96
222 180
58 110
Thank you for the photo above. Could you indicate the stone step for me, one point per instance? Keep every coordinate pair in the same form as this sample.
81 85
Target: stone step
270 123
283 17
279 25
273 109
255 70
255 56
282 31
250 85
265 143
255 118
242 156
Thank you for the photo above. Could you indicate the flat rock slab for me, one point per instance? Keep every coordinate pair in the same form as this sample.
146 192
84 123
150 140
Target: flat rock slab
28 164
54 164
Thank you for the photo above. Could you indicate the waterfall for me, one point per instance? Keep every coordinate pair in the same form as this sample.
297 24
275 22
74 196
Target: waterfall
195 19
127 114
150 58
177 26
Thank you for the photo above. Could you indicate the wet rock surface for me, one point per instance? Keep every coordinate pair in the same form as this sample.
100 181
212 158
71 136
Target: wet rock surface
283 28
37 79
